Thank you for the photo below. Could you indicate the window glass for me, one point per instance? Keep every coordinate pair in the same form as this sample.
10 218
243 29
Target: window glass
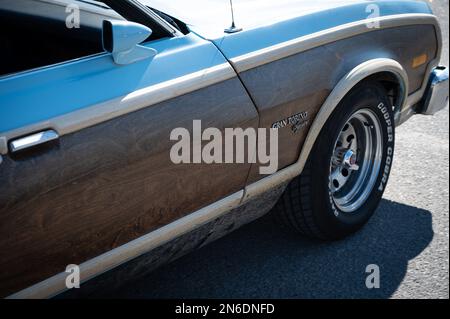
36 33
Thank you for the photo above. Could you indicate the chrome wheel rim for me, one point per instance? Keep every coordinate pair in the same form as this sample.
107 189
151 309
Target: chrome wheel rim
356 161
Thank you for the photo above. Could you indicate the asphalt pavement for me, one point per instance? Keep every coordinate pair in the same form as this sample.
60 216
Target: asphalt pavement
407 238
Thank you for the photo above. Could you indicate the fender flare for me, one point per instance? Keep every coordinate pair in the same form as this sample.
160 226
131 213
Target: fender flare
343 87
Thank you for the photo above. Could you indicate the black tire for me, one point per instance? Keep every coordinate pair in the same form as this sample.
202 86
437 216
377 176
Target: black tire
307 205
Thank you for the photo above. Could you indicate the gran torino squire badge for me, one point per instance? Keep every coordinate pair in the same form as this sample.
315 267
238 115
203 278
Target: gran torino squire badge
296 121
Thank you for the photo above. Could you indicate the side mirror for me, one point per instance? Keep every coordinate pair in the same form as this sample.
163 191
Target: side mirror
122 39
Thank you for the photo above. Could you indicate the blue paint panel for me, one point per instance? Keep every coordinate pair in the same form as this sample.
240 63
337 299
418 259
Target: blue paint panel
39 95
35 96
250 40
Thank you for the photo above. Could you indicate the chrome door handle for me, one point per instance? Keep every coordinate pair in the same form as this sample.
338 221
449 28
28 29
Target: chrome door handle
32 140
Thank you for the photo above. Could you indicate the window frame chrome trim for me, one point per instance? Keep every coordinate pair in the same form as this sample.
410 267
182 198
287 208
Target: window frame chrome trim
156 18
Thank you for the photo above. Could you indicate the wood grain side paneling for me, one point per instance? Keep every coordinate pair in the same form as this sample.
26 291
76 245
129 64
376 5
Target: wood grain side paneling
303 81
106 185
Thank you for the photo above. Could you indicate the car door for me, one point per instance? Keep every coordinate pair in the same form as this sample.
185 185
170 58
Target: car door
106 177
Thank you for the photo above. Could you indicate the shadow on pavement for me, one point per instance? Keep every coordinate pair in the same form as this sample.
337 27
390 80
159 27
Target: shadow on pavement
264 260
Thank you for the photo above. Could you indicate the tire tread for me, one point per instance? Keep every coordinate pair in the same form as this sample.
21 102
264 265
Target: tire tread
302 218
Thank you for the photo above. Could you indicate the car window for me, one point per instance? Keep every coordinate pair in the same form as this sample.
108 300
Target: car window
38 33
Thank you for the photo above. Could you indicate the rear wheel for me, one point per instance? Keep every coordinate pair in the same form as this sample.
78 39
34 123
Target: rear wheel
347 170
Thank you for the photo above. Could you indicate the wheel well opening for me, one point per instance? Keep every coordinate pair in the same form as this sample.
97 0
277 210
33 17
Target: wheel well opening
393 87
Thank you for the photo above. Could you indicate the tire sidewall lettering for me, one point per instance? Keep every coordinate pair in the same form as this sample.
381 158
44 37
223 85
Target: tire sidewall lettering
386 115
388 131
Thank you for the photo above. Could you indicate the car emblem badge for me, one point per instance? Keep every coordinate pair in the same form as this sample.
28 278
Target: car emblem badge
297 122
